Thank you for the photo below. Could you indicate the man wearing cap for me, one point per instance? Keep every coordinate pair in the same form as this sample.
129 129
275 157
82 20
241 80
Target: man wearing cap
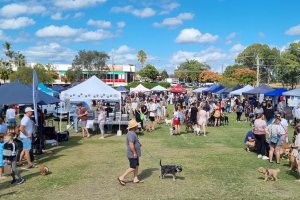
26 129
133 153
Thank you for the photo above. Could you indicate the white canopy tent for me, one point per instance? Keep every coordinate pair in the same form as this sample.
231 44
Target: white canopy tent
242 90
92 89
199 90
139 88
294 92
158 88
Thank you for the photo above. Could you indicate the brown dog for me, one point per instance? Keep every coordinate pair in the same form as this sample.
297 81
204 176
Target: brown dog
293 161
273 173
148 128
44 170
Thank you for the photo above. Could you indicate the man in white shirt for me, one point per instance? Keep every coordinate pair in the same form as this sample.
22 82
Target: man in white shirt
283 127
26 129
297 114
11 116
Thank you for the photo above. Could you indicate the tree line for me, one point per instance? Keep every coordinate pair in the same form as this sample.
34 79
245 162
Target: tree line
275 66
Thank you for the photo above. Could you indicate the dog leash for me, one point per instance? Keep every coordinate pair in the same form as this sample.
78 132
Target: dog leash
149 154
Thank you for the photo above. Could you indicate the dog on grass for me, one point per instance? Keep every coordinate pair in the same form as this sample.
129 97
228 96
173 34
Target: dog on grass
168 122
197 130
148 128
189 126
44 170
169 169
224 120
269 173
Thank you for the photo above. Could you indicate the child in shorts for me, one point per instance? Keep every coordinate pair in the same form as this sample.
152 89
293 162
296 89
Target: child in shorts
10 158
1 157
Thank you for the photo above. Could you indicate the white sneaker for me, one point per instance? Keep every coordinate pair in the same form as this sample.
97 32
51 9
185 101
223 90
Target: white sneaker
259 156
265 158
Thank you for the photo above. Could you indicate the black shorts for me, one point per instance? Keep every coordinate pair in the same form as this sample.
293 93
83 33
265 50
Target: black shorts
133 162
152 119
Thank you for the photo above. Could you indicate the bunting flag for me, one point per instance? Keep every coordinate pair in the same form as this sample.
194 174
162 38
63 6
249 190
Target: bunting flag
35 96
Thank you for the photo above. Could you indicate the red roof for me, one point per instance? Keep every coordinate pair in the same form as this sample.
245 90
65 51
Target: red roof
178 88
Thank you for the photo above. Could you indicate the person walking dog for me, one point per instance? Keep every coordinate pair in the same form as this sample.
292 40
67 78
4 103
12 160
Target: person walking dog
133 153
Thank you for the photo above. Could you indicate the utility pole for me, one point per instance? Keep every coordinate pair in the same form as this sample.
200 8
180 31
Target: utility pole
222 68
257 70
112 64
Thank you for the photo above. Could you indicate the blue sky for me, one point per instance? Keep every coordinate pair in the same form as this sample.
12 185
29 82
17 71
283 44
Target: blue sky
169 31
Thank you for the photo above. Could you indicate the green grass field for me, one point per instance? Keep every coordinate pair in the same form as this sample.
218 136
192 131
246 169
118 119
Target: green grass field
214 167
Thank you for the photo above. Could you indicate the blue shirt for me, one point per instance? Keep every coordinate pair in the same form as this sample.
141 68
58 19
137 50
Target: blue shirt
132 137
3 128
249 134
1 150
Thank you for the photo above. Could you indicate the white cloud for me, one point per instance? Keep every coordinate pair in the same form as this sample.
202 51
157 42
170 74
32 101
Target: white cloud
143 13
16 23
231 36
121 24
124 55
99 23
49 53
295 30
57 31
78 15
212 56
13 10
3 37
76 4
174 21
167 8
192 35
59 16
94 35
237 48
261 35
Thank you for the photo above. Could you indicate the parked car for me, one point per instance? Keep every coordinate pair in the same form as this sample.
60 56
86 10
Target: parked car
174 84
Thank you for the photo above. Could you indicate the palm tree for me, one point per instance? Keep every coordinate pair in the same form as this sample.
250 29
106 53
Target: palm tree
19 60
142 57
5 71
8 50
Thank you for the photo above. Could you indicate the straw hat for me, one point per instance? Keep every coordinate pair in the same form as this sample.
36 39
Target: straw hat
132 123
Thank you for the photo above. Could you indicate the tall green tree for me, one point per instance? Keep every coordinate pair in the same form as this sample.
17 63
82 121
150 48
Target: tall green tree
164 74
5 70
190 70
142 57
92 61
24 74
268 58
230 70
149 72
8 51
288 67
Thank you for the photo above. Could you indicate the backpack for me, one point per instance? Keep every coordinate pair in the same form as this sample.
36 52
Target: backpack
217 114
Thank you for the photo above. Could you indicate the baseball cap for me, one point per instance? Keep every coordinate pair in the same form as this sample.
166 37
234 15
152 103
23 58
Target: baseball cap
28 109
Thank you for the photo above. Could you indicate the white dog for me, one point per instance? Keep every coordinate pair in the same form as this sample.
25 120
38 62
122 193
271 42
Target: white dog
168 122
197 130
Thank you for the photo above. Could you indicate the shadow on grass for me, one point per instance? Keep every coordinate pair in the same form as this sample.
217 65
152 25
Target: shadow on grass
7 184
50 152
171 177
292 173
7 194
146 173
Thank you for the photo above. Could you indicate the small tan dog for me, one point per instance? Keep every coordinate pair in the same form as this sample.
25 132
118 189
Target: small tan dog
44 170
148 128
293 161
273 173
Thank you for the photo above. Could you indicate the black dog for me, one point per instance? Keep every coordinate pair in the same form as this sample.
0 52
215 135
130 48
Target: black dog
169 169
224 120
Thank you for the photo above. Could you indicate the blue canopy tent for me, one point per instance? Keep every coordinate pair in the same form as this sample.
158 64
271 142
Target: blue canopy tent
18 93
228 90
122 89
58 88
199 90
276 92
45 89
262 89
222 91
214 88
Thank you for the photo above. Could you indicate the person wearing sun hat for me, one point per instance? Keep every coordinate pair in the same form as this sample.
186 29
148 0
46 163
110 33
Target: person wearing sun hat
26 129
133 153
